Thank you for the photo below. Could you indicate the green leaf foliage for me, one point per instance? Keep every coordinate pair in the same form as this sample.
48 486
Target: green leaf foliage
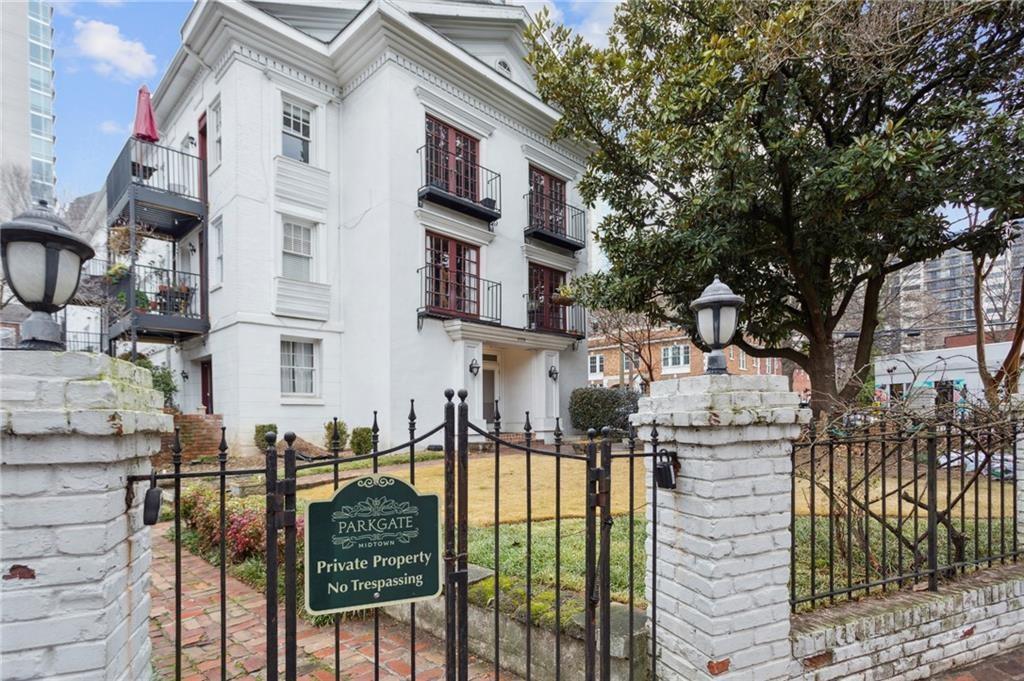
596 407
804 151
362 441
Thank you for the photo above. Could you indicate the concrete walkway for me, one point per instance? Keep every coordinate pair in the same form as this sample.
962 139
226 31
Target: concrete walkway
246 650
1006 667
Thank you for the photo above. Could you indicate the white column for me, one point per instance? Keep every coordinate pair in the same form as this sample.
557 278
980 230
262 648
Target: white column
75 558
723 532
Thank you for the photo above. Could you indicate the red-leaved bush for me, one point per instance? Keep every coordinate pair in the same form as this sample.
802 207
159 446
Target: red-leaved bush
244 524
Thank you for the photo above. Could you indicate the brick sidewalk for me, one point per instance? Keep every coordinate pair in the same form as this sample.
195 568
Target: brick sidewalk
200 611
1006 667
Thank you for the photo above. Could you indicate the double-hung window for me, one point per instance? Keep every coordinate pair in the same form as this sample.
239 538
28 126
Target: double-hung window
217 227
297 251
296 131
298 367
743 360
675 357
596 365
216 148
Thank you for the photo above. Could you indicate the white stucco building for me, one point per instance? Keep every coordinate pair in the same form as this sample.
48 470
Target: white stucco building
948 371
384 216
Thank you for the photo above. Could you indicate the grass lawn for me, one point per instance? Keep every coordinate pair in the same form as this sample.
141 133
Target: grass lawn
802 502
512 466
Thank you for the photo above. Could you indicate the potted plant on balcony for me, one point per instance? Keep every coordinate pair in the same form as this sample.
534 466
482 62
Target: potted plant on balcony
117 272
563 296
141 301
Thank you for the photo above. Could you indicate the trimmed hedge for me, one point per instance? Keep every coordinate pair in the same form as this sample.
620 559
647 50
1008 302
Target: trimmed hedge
259 436
362 441
329 434
599 407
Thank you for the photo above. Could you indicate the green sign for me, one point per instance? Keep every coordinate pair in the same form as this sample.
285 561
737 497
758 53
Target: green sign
376 542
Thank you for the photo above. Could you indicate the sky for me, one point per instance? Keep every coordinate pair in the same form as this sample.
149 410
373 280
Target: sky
105 49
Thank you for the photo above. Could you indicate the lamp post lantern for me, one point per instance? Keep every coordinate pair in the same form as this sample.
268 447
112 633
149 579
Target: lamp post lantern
717 312
42 261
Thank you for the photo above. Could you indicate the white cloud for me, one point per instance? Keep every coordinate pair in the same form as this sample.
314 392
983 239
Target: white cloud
112 128
535 6
112 53
593 19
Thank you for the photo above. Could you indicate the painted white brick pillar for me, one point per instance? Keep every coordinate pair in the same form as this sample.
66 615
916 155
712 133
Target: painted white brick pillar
74 559
723 532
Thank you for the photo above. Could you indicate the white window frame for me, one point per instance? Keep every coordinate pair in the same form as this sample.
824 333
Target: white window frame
215 116
217 251
600 365
289 224
293 104
675 362
629 362
314 370
743 360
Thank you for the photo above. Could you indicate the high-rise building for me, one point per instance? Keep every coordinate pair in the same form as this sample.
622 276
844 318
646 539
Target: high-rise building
26 108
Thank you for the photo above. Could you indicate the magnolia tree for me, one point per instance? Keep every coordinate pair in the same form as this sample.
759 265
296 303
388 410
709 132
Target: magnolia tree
804 151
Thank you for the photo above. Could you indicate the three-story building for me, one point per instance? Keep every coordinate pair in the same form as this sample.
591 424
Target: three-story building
358 204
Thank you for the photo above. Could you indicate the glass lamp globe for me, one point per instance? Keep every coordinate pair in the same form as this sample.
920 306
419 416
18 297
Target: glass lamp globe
717 312
42 261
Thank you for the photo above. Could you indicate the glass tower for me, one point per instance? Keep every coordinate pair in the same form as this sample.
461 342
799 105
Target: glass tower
41 93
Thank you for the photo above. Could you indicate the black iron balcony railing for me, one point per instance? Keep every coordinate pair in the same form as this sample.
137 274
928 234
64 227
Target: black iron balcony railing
552 219
84 341
449 293
548 316
158 168
454 181
159 291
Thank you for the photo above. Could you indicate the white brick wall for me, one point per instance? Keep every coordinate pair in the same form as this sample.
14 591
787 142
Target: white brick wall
75 560
913 635
723 533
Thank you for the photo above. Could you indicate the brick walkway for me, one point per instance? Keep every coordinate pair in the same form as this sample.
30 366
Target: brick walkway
1006 667
200 611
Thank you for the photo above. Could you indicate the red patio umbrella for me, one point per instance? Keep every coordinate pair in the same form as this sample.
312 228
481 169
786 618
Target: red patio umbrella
145 123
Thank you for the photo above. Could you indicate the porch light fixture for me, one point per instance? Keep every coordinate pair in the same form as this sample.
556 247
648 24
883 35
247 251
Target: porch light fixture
42 261
474 366
717 312
184 375
553 373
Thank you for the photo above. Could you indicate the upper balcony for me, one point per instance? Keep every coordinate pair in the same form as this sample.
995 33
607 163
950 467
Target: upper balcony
554 221
169 188
165 305
556 316
450 180
447 294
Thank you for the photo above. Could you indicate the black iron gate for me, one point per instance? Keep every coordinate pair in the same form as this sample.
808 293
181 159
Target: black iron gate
526 570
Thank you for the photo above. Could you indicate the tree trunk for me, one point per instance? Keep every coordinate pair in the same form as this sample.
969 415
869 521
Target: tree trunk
822 371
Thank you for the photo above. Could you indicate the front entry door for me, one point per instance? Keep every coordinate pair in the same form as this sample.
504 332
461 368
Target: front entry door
206 373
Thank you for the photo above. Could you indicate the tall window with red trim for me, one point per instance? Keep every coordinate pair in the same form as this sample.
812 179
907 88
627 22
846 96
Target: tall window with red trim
452 160
453 276
547 201
544 283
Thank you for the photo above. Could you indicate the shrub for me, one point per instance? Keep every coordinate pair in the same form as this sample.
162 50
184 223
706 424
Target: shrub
329 434
163 379
260 434
599 407
362 441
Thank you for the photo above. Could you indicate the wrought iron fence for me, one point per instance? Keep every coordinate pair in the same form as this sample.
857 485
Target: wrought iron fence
155 167
84 341
554 216
460 177
884 506
445 292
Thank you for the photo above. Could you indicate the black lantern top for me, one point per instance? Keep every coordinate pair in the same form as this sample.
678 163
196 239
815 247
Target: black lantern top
40 224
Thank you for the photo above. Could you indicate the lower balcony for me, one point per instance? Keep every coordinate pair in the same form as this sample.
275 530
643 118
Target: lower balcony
447 294
84 341
551 317
165 306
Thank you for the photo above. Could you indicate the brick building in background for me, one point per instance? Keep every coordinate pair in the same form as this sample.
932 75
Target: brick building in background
668 353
